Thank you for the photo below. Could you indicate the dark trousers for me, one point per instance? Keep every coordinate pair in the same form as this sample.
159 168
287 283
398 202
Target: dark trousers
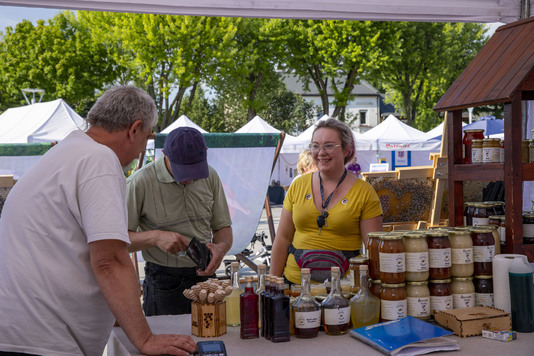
163 289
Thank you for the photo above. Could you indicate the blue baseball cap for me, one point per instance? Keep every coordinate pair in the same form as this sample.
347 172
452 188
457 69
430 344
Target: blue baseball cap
187 152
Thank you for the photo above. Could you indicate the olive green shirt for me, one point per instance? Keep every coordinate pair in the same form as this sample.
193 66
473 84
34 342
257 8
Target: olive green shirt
157 202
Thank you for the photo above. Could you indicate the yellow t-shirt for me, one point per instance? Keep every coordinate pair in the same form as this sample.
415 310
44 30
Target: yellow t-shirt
342 232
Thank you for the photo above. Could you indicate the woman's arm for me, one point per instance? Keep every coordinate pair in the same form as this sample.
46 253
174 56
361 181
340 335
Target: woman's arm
370 225
282 241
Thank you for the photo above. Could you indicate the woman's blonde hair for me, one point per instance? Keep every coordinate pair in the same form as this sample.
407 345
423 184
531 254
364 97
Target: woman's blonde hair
305 160
345 135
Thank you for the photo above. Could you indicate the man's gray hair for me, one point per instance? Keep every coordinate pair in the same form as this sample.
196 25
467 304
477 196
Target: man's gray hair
119 107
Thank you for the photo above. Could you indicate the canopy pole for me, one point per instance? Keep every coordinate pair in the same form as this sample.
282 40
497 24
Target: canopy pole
525 9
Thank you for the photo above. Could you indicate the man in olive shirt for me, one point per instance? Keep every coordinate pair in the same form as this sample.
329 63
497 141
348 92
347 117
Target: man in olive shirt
170 201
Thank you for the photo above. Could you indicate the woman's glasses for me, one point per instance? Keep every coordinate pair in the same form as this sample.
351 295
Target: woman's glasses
328 148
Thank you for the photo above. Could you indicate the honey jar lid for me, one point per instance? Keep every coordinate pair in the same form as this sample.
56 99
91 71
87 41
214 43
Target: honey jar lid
482 230
359 259
476 130
375 234
448 280
483 277
391 237
415 235
462 278
496 217
393 285
438 233
418 283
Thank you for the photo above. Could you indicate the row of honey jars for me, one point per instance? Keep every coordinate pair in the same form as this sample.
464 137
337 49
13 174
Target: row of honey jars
487 150
478 213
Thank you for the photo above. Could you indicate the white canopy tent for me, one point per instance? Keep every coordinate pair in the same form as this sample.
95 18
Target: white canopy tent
182 121
382 10
42 122
437 131
398 144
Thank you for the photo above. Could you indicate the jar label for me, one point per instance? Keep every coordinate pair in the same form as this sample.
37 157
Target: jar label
502 233
308 320
462 256
393 309
439 257
418 307
337 316
491 154
484 300
476 155
480 221
392 262
417 261
463 300
441 303
483 253
528 230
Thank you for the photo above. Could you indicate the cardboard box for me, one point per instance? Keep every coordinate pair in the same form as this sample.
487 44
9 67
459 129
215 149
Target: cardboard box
471 321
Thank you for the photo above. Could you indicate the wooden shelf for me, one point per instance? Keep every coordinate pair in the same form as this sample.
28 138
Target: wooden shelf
480 172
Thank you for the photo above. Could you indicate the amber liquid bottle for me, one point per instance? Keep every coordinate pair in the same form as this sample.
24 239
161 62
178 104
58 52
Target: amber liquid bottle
336 308
307 310
280 313
248 306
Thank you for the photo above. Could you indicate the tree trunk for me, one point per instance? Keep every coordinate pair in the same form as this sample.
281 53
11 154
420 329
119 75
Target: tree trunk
256 81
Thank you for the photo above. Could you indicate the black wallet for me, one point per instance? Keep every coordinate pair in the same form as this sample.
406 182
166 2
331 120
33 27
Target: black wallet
199 253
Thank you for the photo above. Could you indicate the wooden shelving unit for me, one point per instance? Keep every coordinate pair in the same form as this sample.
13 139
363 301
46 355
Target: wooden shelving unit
502 72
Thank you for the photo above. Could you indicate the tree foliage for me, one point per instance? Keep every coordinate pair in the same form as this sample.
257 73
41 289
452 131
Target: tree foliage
426 59
57 56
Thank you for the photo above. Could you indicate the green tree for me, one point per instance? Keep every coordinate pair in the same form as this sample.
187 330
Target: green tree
169 56
426 59
57 56
331 54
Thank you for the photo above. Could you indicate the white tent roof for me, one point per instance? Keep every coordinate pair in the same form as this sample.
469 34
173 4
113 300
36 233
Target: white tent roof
437 131
42 122
382 10
392 129
257 125
183 121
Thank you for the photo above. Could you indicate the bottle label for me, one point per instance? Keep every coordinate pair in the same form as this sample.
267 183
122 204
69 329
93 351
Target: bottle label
463 300
392 262
484 300
441 303
417 261
337 316
528 230
480 221
418 307
308 320
502 233
483 253
439 257
462 256
393 309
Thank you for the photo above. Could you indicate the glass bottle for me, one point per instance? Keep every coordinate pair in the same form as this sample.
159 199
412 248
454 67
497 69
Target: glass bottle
248 307
280 313
260 287
307 310
364 306
263 305
269 293
336 308
233 314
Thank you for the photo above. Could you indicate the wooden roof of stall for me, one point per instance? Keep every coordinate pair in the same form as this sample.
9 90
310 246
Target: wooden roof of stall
504 66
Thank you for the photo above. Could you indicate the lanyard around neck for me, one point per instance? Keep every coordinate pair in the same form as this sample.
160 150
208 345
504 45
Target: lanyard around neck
324 204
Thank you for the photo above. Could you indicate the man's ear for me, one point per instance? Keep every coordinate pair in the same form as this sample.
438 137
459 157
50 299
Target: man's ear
134 129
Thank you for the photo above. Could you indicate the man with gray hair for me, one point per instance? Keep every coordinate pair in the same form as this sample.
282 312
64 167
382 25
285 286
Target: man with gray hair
65 272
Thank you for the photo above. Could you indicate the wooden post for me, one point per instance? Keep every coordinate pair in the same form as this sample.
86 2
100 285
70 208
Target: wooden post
441 176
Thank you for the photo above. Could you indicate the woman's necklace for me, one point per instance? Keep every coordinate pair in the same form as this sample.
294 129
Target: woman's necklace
321 219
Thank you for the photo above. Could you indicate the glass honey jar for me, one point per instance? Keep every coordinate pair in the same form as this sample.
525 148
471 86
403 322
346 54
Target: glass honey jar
416 250
463 292
355 264
484 291
461 253
392 259
418 299
439 252
393 303
483 251
372 250
440 294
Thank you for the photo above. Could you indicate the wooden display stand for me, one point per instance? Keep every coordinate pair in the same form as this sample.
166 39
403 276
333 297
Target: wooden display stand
208 320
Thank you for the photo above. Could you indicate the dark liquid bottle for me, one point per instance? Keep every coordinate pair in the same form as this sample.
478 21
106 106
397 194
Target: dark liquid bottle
307 310
263 305
249 311
280 313
268 306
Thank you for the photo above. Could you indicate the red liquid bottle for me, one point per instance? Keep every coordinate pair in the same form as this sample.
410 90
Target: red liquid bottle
307 310
280 313
249 311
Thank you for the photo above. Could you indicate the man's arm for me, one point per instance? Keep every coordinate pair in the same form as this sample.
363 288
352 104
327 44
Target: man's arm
222 242
116 277
169 241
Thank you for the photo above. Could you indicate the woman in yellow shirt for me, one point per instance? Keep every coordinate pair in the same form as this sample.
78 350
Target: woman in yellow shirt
329 210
